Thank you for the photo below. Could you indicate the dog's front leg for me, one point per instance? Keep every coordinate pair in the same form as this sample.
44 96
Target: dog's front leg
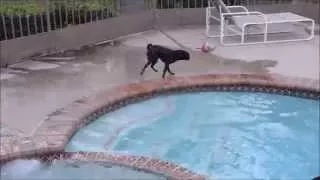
154 69
144 68
152 65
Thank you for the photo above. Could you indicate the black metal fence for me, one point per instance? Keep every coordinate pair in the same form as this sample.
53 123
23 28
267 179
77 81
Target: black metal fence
19 18
165 4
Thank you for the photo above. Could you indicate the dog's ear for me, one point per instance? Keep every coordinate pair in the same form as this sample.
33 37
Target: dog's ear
149 46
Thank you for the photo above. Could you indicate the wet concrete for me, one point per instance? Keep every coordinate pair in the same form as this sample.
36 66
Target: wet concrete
293 59
27 98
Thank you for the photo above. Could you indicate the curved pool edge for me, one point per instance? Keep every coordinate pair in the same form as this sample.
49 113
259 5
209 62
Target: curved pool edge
140 163
55 132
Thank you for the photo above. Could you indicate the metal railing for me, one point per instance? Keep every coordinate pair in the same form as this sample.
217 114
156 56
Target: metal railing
166 4
19 18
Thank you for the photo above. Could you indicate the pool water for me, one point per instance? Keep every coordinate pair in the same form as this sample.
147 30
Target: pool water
62 169
233 135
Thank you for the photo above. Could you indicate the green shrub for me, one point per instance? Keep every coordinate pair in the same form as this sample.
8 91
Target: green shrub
32 7
22 8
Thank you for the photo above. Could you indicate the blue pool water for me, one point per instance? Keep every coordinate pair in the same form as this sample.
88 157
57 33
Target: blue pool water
231 135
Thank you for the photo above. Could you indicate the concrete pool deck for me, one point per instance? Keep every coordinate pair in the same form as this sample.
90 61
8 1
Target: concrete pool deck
31 90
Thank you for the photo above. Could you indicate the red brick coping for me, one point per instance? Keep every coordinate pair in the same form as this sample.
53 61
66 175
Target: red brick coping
53 135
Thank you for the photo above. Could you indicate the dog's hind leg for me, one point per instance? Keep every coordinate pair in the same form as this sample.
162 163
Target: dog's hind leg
169 70
144 68
165 69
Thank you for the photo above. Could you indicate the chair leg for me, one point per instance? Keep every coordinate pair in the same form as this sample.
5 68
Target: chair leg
265 38
221 29
207 21
242 35
312 31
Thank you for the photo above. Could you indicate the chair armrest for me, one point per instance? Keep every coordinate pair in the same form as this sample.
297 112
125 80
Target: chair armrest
230 15
243 9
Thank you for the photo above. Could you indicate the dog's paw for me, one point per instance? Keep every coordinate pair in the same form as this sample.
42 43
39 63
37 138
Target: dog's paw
154 69
170 77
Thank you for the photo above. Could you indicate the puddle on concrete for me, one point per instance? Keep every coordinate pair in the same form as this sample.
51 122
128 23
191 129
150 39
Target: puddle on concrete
129 60
72 54
264 63
5 76
34 65
107 55
256 66
122 60
6 131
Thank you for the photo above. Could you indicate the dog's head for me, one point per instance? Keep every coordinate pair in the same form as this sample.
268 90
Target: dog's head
181 55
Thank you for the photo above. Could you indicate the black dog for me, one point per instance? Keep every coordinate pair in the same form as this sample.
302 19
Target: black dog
167 56
316 178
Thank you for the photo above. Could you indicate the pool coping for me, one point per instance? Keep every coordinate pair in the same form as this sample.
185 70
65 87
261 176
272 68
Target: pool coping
148 165
53 135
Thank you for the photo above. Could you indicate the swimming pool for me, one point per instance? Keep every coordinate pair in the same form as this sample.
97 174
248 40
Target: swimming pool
219 134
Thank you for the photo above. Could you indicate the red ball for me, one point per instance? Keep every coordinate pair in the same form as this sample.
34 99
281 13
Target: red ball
204 48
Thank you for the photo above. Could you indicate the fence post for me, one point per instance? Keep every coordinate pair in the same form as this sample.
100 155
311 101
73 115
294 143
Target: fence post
118 7
2 63
154 4
155 14
47 4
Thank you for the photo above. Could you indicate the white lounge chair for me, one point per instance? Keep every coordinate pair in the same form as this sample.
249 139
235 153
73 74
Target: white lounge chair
242 23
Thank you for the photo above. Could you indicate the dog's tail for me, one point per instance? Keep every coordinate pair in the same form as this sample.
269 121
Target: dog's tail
149 46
